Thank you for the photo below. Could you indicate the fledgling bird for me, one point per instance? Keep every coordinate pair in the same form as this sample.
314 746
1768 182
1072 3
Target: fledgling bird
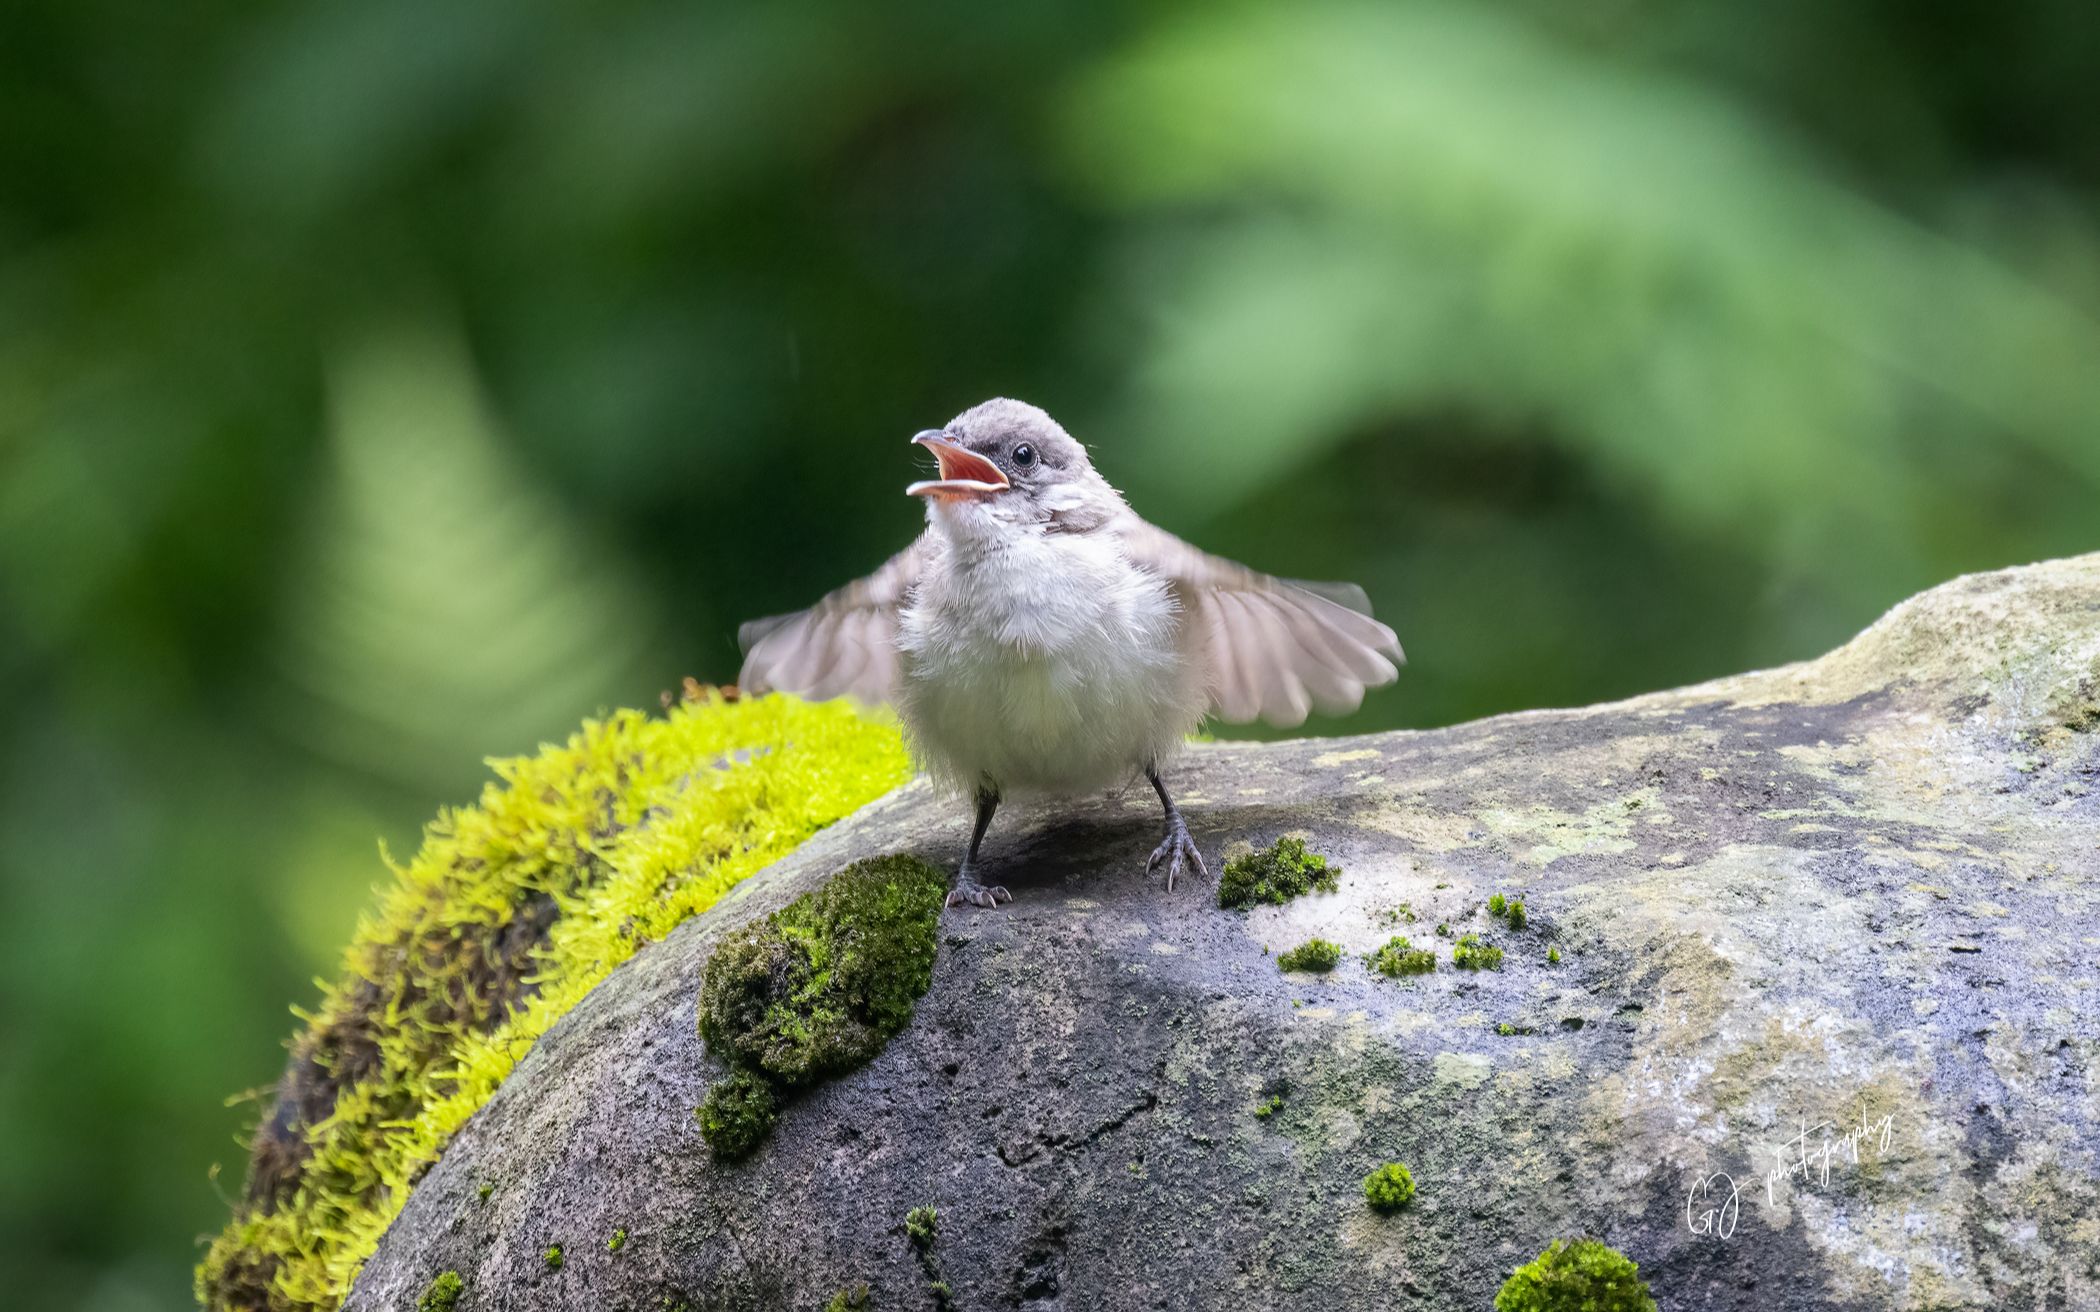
1039 637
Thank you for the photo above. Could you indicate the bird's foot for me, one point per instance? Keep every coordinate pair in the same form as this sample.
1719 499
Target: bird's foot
967 889
1178 850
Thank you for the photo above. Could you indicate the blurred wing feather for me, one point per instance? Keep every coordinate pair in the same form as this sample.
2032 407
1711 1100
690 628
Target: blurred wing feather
845 645
1272 649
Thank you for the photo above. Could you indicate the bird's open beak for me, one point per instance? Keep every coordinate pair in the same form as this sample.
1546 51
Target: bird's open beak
964 473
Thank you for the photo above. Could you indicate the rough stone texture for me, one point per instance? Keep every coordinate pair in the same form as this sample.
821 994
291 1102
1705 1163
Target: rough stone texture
1859 888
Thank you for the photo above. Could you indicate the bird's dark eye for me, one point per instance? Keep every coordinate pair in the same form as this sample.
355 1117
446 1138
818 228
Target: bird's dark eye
1024 456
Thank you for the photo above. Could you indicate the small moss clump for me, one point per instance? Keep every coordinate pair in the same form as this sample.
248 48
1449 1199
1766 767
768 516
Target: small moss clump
922 1226
1286 870
738 1114
1389 1188
443 1293
1314 954
1400 957
1510 909
1268 1107
618 1239
1553 956
1469 953
1583 1276
554 1258
848 1300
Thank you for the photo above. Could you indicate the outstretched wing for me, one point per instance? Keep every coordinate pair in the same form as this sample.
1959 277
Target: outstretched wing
1272 649
845 645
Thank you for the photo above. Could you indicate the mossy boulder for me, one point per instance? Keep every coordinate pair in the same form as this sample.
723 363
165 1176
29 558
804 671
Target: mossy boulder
1822 1032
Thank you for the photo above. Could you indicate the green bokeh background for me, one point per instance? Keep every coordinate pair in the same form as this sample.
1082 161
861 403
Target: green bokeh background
390 384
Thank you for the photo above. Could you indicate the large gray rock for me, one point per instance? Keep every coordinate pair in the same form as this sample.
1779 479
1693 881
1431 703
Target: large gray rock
1845 908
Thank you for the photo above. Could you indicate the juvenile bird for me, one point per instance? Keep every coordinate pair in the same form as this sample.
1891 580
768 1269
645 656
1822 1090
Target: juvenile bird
1039 637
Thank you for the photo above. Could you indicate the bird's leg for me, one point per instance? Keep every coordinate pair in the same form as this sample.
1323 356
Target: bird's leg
1177 848
967 889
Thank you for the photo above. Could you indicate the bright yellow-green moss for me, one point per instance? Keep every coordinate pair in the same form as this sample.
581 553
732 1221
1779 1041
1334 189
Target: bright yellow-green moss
1389 1188
1314 954
1583 1276
1284 871
921 1225
1399 957
442 1294
515 907
1471 953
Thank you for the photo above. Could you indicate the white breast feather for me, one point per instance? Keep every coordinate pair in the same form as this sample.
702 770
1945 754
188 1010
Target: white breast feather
1044 664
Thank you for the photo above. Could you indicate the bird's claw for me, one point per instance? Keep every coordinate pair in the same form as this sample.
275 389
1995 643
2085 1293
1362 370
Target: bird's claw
976 894
1178 850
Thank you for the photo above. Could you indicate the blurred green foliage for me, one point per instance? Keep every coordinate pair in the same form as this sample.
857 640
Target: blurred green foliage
390 384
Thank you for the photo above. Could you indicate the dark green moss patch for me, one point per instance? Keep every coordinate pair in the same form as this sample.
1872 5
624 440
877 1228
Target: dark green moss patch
814 990
1583 1276
443 1293
820 985
1286 870
1389 1188
738 1114
1400 957
1470 953
1314 954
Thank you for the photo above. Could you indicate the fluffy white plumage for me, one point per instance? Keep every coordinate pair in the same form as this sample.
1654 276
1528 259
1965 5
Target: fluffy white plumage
1040 662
